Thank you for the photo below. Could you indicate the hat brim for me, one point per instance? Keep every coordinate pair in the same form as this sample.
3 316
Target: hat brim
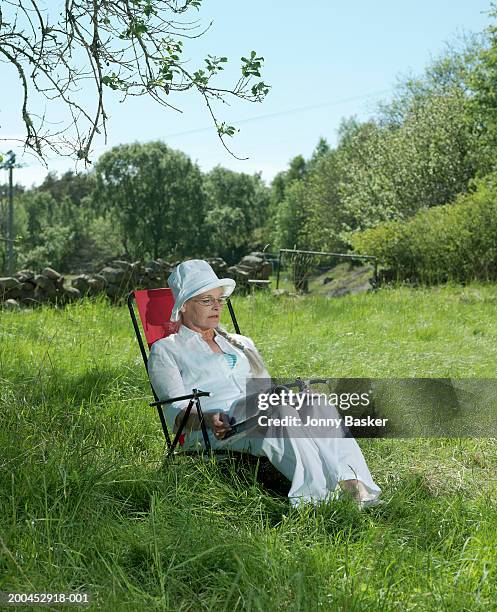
227 283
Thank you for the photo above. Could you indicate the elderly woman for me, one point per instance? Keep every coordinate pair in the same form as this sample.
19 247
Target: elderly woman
203 355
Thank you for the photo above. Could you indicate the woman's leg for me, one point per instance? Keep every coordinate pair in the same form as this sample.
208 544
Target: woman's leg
314 464
341 455
314 459
293 454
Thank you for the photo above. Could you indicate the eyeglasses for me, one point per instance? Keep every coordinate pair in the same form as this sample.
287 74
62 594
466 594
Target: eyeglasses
211 301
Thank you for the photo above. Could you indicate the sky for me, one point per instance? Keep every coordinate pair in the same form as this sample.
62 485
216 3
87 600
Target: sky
325 60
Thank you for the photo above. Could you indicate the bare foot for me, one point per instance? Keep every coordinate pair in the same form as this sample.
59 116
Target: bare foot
352 487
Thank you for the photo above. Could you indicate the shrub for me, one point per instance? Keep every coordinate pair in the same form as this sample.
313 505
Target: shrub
452 242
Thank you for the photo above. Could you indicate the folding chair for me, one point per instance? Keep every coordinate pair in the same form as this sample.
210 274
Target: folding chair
154 309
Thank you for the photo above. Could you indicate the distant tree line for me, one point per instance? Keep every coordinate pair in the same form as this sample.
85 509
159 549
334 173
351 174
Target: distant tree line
140 201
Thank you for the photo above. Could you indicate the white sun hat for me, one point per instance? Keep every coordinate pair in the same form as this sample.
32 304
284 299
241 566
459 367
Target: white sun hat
192 277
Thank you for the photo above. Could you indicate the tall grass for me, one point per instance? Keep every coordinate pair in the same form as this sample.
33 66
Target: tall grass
89 504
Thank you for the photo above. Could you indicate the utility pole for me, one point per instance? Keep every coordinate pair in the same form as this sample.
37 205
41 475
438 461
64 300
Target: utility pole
9 164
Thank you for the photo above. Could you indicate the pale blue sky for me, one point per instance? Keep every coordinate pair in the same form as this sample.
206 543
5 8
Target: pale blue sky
324 60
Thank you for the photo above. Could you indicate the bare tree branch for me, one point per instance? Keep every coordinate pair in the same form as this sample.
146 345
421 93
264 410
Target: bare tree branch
129 46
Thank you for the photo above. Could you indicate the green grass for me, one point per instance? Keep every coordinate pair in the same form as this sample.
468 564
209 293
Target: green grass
87 502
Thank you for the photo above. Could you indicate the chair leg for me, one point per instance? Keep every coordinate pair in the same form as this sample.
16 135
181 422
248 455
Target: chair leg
180 428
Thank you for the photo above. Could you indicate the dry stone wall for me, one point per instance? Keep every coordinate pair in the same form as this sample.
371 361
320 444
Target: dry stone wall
115 280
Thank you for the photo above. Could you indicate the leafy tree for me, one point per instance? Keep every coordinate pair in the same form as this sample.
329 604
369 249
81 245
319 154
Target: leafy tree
321 151
421 151
327 218
238 205
483 80
449 71
154 195
278 227
289 208
44 235
292 215
71 185
391 173
131 47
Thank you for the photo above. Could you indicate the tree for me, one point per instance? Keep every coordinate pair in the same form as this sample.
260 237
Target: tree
327 218
44 235
277 226
237 204
154 194
483 80
291 217
71 185
131 47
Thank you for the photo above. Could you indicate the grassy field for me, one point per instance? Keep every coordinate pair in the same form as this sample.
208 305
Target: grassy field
88 504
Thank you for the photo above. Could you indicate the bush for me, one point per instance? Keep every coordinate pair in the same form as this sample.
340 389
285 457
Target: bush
452 242
56 243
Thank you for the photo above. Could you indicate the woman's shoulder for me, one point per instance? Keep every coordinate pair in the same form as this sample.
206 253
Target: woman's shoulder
165 345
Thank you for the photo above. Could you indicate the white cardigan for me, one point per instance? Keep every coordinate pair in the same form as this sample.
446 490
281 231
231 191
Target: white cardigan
184 361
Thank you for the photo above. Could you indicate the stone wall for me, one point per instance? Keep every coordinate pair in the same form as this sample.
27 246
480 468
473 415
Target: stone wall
115 280
252 266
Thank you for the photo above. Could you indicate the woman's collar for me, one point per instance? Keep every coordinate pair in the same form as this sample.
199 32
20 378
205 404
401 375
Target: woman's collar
186 332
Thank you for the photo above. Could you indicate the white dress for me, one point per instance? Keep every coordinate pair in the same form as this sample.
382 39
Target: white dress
314 465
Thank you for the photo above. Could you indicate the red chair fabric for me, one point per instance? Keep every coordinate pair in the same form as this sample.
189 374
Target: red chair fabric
155 307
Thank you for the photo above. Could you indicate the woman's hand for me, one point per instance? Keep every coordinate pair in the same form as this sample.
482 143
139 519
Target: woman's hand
218 422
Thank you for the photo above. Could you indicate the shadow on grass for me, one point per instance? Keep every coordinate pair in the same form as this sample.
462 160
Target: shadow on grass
93 385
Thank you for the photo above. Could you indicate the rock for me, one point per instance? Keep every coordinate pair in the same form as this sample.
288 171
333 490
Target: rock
70 294
120 264
97 284
81 283
114 291
114 276
217 264
266 271
9 288
14 293
137 271
95 287
27 293
40 295
26 289
244 268
11 304
239 274
45 284
8 282
60 282
338 292
154 266
51 274
163 262
259 254
252 262
152 283
24 275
